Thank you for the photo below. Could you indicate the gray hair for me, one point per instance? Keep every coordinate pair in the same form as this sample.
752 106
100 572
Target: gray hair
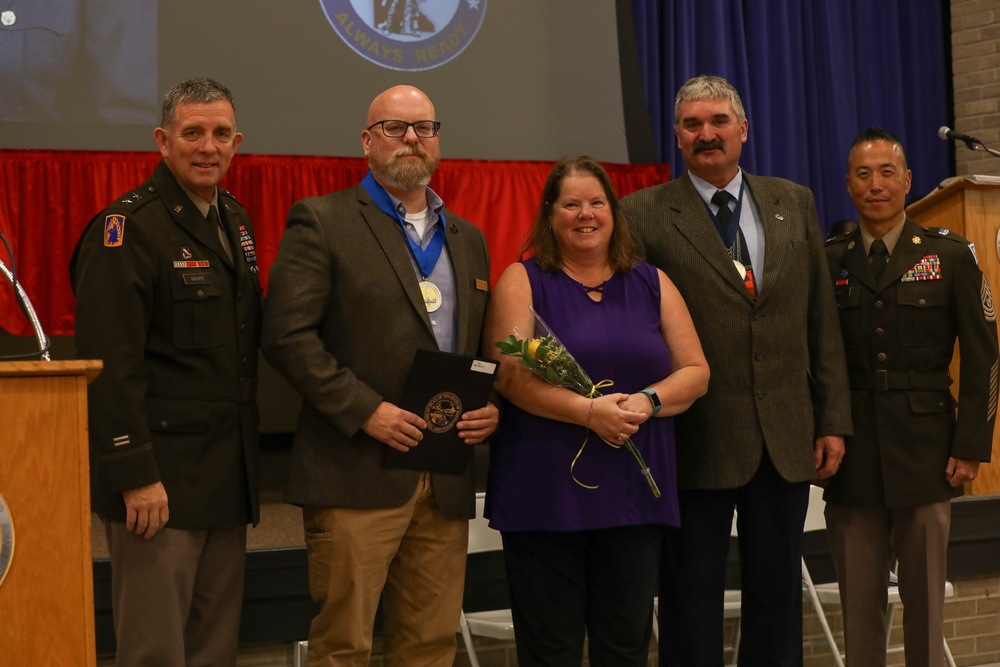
193 91
706 87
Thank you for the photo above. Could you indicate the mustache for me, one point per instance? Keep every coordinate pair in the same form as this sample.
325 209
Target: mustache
715 144
411 150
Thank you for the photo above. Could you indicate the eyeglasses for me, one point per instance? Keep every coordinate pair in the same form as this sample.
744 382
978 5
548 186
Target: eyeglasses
394 129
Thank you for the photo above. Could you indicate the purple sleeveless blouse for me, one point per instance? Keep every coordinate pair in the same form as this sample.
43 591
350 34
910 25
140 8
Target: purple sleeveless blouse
618 338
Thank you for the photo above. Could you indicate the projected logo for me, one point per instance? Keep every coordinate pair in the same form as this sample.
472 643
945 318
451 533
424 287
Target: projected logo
409 35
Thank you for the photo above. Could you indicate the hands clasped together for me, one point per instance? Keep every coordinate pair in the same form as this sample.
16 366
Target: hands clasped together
616 417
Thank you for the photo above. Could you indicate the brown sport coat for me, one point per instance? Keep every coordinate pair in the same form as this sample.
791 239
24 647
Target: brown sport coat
778 372
343 318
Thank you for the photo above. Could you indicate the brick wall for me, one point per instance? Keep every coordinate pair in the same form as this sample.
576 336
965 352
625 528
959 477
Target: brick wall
971 626
975 35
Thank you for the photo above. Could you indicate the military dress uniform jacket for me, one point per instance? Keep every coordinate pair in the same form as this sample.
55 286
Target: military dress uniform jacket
778 376
177 325
343 319
899 337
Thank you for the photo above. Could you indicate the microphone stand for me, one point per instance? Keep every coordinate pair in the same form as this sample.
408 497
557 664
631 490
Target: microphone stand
973 145
25 302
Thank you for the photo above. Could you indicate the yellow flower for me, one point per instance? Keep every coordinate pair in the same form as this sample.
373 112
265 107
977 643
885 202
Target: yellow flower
532 346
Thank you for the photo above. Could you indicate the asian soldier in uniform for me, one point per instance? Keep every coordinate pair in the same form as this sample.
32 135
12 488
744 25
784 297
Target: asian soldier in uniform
905 294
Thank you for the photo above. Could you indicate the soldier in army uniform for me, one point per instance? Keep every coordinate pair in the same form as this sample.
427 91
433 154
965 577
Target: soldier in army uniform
169 298
905 293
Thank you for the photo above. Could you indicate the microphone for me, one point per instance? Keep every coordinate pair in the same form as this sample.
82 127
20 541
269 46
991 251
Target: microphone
21 297
948 134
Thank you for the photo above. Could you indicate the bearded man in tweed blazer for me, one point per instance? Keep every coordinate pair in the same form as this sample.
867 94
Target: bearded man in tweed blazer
349 302
750 265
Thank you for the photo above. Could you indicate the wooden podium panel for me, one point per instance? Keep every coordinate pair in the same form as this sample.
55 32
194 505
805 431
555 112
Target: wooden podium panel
970 207
47 597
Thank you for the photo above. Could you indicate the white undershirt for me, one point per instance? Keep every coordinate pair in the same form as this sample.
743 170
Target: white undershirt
418 220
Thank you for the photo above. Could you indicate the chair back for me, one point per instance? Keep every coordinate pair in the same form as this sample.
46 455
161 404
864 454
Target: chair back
815 519
481 536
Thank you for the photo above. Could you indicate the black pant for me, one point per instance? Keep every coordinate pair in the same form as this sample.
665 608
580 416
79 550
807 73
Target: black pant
568 585
770 516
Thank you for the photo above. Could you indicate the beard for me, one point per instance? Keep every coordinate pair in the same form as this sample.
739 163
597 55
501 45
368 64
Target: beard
398 174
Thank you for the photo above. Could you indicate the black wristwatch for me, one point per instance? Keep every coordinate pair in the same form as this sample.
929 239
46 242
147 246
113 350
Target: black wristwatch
654 399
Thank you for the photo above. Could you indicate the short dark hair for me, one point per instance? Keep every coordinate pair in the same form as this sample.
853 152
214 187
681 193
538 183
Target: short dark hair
623 252
193 91
872 133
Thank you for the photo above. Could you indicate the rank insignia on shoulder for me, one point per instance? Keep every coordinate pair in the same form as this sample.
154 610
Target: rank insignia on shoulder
114 230
972 247
944 232
989 310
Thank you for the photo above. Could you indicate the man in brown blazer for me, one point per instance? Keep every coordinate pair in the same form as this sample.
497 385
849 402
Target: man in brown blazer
905 294
363 278
750 266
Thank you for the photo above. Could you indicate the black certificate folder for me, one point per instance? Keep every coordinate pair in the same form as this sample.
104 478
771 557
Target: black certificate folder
440 388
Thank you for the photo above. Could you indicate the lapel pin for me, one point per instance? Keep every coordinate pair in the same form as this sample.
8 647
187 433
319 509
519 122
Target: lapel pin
916 240
178 208
454 228
779 216
850 246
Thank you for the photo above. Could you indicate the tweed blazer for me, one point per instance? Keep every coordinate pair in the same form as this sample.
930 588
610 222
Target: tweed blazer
342 321
779 378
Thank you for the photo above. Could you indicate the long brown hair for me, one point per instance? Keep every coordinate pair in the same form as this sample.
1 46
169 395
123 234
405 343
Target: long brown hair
623 251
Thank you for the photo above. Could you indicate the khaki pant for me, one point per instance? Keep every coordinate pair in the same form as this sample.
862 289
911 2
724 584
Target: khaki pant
411 556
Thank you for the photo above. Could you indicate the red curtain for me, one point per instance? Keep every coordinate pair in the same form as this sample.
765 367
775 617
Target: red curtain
47 197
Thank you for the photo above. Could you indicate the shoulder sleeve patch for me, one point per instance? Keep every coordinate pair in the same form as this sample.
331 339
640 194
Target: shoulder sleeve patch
114 230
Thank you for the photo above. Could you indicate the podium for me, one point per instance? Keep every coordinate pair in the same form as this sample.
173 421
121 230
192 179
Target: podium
47 595
970 206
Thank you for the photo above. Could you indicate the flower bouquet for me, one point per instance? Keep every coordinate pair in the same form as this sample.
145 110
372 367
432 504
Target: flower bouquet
549 359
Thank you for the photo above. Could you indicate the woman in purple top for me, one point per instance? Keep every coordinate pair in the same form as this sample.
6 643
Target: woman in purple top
582 561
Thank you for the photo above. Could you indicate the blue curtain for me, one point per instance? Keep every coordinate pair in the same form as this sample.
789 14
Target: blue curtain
812 74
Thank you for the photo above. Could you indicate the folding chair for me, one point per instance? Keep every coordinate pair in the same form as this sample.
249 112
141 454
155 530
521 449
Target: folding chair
830 593
817 595
496 623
